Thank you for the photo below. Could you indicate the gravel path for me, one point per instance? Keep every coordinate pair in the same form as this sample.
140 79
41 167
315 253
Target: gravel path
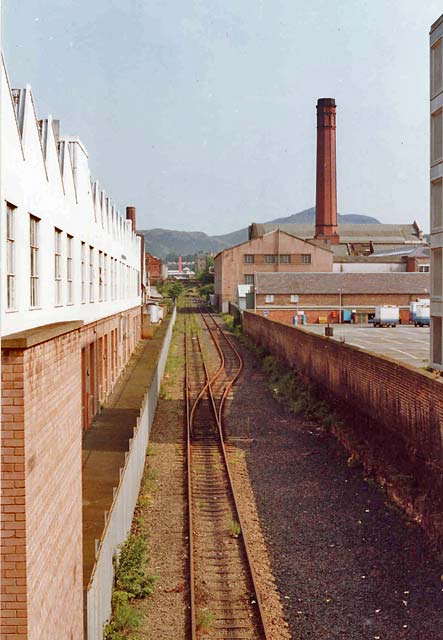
347 563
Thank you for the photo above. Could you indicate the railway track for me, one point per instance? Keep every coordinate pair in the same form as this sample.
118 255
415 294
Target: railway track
225 603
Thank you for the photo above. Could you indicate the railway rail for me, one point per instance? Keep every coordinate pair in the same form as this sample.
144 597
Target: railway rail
225 602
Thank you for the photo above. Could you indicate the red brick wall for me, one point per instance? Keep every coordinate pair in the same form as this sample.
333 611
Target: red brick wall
53 436
406 403
41 501
13 614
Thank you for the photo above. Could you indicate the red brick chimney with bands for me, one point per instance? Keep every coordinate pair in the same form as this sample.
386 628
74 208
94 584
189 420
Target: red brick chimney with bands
326 220
130 215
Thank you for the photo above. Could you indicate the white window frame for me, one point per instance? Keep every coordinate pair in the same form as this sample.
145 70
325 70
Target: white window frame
83 272
269 298
249 258
294 297
10 257
424 268
285 258
251 278
69 267
58 266
91 273
271 258
306 258
100 276
34 248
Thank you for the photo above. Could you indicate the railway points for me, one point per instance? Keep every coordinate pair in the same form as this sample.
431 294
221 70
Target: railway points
224 598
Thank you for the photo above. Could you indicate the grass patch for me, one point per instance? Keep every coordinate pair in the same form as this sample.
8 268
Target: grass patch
288 388
205 618
234 528
231 324
132 581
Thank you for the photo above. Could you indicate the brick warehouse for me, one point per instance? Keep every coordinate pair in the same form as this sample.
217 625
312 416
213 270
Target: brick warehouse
325 297
71 317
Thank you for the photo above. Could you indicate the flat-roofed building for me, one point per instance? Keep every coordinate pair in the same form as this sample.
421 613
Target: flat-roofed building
436 83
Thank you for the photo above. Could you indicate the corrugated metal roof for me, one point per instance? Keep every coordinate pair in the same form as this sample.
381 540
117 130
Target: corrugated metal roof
322 283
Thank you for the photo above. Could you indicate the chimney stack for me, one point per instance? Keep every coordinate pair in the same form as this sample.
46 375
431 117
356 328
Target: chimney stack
130 215
326 221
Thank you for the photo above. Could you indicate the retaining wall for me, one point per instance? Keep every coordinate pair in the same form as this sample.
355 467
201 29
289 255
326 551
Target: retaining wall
396 405
119 518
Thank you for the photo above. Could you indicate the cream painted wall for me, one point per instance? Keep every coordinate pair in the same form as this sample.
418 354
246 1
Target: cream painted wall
48 176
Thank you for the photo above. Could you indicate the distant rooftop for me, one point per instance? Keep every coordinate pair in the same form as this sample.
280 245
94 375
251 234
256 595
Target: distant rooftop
324 283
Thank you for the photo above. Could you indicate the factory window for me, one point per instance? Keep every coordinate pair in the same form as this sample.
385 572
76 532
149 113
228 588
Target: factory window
249 259
306 258
34 261
269 298
100 276
436 69
436 136
423 268
10 256
83 270
294 297
69 291
249 278
105 276
91 274
437 273
436 205
285 259
271 258
58 266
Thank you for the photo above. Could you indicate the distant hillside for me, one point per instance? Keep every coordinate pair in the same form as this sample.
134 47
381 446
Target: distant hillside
162 242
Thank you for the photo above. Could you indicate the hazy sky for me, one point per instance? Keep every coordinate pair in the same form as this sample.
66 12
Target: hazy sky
202 112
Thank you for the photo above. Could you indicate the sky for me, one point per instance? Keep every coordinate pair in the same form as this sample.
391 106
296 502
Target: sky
201 113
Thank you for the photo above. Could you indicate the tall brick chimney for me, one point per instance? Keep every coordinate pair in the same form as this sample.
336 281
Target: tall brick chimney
326 221
130 215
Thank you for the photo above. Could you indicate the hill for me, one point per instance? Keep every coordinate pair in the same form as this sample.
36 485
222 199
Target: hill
167 242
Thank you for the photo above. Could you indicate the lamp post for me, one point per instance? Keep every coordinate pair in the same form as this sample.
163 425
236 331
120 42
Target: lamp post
340 301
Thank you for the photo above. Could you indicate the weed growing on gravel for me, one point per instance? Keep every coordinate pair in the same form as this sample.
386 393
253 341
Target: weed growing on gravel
234 528
231 325
132 581
289 388
205 618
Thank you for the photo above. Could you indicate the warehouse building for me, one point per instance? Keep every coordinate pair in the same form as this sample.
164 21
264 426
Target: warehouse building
70 319
294 298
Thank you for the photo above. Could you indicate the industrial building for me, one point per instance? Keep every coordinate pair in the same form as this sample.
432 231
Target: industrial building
436 175
155 270
334 297
70 319
324 246
273 252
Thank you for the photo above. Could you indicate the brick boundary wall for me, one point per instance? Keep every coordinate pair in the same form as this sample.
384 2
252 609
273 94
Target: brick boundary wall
394 412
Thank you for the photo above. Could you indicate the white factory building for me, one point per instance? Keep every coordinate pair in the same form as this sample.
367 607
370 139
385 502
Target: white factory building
70 320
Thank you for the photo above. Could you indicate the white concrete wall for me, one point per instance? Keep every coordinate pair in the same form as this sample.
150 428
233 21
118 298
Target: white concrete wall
374 267
436 159
47 175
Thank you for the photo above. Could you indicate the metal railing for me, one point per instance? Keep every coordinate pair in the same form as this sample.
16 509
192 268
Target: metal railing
119 518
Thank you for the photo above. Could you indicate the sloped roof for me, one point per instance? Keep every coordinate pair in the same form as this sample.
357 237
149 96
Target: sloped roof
325 283
381 233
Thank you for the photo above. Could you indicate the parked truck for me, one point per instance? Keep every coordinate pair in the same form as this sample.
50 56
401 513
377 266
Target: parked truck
422 316
386 315
419 312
